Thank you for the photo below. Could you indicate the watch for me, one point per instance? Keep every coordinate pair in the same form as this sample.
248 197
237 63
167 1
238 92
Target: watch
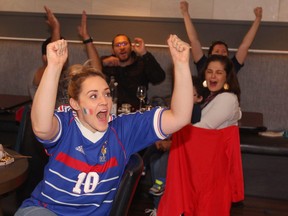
90 40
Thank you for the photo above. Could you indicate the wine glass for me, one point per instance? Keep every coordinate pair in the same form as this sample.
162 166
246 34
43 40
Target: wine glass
141 94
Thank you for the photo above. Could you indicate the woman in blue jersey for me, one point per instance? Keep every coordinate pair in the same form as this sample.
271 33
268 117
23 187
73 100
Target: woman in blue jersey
88 147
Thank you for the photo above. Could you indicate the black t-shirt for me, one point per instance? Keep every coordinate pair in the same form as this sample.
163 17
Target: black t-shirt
142 71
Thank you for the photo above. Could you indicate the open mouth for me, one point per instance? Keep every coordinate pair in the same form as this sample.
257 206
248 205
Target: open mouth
123 54
213 83
102 115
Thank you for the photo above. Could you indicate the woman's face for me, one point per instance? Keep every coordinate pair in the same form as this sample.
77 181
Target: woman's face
94 104
219 49
215 76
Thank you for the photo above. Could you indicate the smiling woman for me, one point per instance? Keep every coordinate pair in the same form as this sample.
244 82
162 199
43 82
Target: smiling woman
88 147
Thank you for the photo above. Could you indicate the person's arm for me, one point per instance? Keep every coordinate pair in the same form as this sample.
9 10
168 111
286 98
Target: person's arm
180 112
88 41
38 75
242 51
110 61
153 70
164 145
54 25
196 47
45 125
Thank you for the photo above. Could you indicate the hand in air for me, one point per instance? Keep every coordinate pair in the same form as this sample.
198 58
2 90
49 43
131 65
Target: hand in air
52 21
82 29
258 12
139 46
179 49
57 52
184 7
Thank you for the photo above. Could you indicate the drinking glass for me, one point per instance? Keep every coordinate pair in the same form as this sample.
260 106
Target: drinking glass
141 94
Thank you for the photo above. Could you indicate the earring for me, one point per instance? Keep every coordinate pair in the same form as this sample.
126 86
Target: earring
226 86
204 84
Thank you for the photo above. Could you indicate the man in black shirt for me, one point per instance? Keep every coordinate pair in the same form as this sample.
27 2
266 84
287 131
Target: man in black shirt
131 65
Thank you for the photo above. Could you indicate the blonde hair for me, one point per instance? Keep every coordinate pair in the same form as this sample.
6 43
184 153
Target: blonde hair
77 74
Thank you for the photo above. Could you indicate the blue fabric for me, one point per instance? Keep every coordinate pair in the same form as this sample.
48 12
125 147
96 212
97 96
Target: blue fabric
82 177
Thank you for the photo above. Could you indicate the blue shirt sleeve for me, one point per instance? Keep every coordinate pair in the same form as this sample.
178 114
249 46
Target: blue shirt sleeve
139 130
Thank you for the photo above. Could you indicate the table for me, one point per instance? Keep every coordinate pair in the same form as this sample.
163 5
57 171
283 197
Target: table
13 175
265 162
8 102
254 143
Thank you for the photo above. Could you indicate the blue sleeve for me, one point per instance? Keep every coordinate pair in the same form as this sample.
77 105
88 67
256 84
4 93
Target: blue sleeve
139 130
64 117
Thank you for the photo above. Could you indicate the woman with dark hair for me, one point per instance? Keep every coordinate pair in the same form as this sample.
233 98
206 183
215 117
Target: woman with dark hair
219 47
221 107
204 174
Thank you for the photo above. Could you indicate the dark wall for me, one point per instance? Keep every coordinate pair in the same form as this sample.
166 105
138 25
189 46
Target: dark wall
271 36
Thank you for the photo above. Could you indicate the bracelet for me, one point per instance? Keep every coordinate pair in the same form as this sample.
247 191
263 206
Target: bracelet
90 40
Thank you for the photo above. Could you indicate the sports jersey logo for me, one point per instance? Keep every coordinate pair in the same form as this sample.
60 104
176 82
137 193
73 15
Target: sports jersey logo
80 149
63 108
102 158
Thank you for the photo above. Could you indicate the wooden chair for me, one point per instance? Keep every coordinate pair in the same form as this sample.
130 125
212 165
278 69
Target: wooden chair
27 144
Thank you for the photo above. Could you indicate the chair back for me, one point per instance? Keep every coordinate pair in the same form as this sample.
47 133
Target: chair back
27 144
251 122
127 186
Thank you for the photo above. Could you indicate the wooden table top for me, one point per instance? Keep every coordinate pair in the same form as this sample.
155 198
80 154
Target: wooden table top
14 174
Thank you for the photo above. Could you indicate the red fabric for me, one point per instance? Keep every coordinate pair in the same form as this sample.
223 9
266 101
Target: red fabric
19 114
204 173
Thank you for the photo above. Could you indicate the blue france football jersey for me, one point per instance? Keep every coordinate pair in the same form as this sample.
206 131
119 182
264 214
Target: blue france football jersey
85 168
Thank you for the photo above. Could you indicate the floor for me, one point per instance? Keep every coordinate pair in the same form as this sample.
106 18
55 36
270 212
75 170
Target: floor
252 206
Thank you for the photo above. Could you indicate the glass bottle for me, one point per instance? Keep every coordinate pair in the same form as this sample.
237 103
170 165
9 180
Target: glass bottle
113 91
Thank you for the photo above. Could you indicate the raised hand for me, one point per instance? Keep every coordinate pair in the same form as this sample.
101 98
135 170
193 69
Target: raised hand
82 29
184 7
57 53
52 21
179 49
258 12
139 46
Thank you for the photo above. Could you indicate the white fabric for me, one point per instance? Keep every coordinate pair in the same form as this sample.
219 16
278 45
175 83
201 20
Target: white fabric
221 112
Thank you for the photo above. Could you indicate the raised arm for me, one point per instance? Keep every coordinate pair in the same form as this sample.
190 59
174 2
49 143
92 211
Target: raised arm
196 47
88 41
54 25
242 52
153 70
44 123
180 112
